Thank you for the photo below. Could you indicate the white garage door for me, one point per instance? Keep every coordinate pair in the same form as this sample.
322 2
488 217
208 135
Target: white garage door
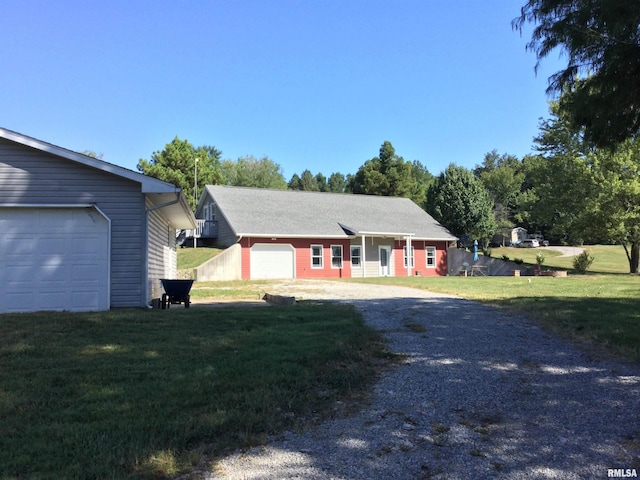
272 261
53 259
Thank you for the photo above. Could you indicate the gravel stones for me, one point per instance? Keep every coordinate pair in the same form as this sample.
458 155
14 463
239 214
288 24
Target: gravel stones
480 394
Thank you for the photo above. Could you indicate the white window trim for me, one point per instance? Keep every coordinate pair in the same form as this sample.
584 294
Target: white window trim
427 257
358 256
404 254
321 266
341 257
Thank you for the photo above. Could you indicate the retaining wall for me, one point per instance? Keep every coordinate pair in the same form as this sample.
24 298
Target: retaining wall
225 266
457 258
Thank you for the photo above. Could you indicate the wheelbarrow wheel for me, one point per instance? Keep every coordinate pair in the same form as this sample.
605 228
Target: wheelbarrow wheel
187 301
164 301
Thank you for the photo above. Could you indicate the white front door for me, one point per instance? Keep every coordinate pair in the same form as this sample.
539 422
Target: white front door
384 253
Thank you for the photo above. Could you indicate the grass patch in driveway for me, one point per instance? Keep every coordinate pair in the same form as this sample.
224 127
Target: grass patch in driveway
144 394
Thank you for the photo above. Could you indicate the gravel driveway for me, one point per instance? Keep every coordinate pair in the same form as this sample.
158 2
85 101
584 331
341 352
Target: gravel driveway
481 394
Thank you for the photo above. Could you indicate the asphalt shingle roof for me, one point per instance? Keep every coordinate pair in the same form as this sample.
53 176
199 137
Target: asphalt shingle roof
282 213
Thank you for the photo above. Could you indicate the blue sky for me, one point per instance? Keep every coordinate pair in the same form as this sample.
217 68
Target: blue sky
312 84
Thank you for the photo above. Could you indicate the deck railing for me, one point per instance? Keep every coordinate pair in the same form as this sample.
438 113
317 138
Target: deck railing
204 229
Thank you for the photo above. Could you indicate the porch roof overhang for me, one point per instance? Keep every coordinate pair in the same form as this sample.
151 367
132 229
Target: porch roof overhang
174 207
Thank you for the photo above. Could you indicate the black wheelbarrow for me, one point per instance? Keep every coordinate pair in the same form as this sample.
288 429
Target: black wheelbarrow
177 292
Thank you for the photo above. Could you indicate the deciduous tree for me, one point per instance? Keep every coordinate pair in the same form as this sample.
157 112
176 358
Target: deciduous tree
503 178
249 171
176 164
460 202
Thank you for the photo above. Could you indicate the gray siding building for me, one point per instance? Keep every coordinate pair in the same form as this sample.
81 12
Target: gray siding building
79 233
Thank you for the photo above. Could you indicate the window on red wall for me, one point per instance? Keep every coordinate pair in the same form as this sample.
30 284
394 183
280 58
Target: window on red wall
316 256
336 256
431 257
404 251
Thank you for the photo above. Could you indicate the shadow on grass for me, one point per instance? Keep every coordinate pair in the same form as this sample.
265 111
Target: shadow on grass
144 394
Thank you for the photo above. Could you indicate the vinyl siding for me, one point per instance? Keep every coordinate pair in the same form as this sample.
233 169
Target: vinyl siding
372 255
162 253
226 236
29 176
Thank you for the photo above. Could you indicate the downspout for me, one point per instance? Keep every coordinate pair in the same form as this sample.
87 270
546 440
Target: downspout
148 210
239 241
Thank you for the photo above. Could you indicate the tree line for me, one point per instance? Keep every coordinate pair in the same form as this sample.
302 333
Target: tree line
567 189
581 182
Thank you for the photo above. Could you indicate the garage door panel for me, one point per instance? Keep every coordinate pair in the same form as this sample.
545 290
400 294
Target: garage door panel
271 261
15 302
85 300
16 247
56 258
84 274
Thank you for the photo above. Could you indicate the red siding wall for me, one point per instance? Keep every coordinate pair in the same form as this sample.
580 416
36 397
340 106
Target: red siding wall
303 257
420 258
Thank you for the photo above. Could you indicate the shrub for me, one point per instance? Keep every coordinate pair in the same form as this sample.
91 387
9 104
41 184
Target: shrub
540 258
518 261
505 258
582 262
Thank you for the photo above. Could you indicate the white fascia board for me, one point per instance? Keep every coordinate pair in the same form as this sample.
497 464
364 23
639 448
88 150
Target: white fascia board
385 234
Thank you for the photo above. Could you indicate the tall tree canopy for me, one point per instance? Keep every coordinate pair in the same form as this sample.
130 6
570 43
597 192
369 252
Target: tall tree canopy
460 202
577 192
503 178
601 39
337 183
249 171
387 174
177 164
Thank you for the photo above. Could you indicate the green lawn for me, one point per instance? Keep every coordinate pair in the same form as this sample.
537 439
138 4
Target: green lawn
194 257
607 258
143 394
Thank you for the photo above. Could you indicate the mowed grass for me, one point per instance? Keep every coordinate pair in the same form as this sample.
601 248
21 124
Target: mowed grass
145 394
194 257
231 290
607 258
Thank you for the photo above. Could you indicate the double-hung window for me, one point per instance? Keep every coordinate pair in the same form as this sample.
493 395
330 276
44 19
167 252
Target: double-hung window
336 256
356 257
404 249
431 257
316 256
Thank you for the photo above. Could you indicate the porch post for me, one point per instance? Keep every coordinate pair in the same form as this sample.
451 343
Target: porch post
363 259
408 255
